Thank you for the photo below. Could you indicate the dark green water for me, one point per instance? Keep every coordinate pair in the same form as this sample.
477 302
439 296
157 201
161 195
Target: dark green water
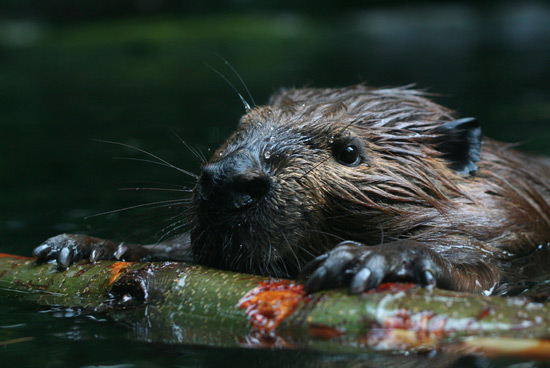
142 81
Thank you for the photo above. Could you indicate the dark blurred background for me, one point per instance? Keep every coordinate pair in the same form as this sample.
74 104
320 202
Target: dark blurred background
135 72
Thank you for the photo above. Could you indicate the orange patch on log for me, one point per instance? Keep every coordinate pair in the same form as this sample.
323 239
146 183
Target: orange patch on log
117 269
271 302
5 255
499 346
484 313
324 332
392 287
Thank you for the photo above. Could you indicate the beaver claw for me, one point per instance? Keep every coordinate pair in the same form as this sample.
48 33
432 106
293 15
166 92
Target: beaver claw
66 249
363 267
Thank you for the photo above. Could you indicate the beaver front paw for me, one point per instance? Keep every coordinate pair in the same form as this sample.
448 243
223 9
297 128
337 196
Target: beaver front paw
69 248
364 267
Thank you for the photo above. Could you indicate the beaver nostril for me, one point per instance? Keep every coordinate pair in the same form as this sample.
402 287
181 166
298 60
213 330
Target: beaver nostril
249 187
233 183
241 200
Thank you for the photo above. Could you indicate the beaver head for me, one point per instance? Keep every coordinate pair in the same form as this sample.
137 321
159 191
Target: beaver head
318 166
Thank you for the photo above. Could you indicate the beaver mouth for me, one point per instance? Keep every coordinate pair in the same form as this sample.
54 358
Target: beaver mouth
240 248
234 233
254 239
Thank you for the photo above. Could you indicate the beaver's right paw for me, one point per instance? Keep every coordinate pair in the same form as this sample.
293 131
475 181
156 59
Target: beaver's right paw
363 267
69 248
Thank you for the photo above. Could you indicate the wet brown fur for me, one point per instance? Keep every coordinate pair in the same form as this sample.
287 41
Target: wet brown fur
486 225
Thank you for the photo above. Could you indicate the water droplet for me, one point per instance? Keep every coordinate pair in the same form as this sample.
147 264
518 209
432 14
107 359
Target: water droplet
267 155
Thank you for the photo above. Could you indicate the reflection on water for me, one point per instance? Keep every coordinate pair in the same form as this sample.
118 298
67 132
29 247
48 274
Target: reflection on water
141 81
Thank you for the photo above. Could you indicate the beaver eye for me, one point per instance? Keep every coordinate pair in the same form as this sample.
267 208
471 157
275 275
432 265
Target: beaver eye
349 155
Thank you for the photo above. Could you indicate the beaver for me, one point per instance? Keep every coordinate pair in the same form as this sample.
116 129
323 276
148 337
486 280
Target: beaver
353 187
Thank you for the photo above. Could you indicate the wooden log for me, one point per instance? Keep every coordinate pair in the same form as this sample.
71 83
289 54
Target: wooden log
181 303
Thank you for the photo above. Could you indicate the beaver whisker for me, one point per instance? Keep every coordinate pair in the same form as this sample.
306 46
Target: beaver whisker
154 163
269 249
195 151
227 63
173 228
289 246
167 216
283 263
199 235
274 270
254 263
156 189
336 237
160 204
159 161
247 107
163 184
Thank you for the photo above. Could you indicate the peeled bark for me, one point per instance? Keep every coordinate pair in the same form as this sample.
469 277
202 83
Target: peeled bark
181 303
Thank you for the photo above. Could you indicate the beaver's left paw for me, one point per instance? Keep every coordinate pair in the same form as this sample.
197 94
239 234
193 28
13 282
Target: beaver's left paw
364 267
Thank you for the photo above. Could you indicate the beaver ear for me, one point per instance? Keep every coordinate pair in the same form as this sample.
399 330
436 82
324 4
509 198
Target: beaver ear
459 141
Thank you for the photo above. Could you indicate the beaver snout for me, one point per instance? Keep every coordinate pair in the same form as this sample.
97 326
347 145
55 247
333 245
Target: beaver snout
234 182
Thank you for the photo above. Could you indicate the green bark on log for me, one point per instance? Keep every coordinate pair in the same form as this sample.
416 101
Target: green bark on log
181 303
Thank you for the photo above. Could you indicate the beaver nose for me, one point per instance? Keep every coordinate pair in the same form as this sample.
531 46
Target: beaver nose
235 181
248 188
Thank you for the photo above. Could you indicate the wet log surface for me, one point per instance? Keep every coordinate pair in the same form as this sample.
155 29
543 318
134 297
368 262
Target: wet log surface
179 303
